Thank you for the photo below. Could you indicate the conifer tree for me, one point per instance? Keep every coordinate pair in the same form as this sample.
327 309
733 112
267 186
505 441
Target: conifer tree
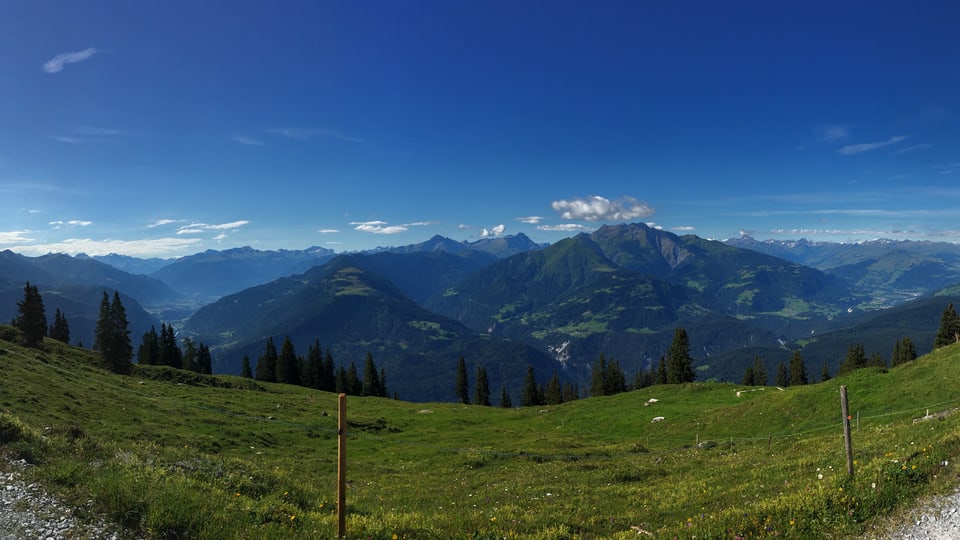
245 370
267 363
662 370
614 381
760 376
189 360
825 372
170 354
371 379
505 401
313 371
908 353
204 360
329 380
60 329
531 394
598 377
748 377
798 370
481 395
354 384
783 375
112 335
569 392
949 331
340 380
288 365
679 362
856 358
461 386
553 394
148 354
877 361
896 357
31 318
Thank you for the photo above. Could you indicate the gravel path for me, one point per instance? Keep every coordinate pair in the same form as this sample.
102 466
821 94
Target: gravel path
27 512
937 518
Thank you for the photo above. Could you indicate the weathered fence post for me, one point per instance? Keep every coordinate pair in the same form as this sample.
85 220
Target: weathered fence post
845 409
342 468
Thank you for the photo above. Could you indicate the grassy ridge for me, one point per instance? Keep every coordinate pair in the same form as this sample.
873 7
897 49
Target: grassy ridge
171 454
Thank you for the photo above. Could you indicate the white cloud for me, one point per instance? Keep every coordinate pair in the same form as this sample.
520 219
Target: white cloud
55 64
328 231
162 222
243 139
493 232
914 148
531 220
72 223
563 227
852 149
421 223
377 227
302 134
157 247
15 237
684 228
833 133
596 208
221 236
464 227
196 228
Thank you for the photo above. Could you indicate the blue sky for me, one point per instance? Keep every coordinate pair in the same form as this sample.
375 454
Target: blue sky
166 128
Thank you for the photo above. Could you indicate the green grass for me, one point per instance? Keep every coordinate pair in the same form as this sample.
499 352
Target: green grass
171 454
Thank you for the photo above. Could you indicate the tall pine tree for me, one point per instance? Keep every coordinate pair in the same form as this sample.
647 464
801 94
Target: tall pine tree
31 318
949 331
679 362
461 386
148 354
481 394
798 370
530 395
371 379
60 329
112 335
288 366
266 369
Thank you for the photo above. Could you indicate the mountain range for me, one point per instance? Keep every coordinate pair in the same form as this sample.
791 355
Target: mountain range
508 303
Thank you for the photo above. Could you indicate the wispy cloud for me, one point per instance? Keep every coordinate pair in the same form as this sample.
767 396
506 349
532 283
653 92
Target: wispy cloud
563 227
913 148
597 208
328 231
162 222
71 223
530 220
852 149
833 133
83 134
15 237
683 228
493 232
302 134
377 227
243 139
197 228
55 64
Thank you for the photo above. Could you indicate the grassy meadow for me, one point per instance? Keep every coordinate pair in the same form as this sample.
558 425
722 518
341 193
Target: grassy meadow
171 454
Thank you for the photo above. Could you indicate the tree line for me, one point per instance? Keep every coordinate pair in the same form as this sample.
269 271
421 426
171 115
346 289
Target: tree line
317 370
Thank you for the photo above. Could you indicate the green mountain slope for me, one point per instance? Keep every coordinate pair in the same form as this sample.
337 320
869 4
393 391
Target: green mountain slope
351 312
174 454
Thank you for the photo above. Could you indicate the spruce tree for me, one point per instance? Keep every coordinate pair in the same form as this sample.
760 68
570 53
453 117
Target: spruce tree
798 370
189 361
112 335
245 370
170 354
313 372
553 394
329 379
569 392
481 395
148 354
856 358
354 383
531 394
825 372
340 380
949 331
505 401
908 352
748 377
60 329
598 377
662 370
204 360
461 386
288 365
31 318
371 379
679 362
267 363
760 376
783 375
614 381
877 361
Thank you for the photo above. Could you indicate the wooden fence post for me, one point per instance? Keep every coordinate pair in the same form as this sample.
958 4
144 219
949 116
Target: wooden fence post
342 468
845 409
